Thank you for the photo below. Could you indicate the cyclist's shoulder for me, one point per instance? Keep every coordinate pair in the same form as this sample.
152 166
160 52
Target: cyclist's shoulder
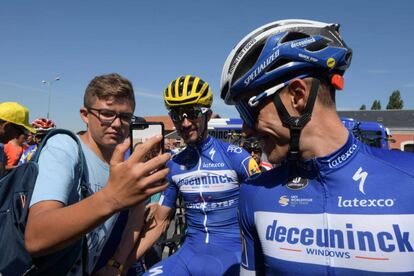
229 149
186 157
403 161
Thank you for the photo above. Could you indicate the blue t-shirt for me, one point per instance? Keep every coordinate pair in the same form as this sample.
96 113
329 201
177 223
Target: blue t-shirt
58 180
348 213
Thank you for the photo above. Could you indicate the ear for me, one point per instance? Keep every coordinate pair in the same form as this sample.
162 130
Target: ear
298 92
84 115
209 114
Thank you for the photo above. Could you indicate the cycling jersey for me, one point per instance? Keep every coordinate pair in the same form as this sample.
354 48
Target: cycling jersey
349 213
208 179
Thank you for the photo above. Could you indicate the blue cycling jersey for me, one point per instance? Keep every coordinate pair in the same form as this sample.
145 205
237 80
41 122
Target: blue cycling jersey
351 212
208 179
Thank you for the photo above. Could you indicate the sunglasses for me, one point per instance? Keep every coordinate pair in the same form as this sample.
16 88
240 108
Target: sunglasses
247 107
191 113
255 150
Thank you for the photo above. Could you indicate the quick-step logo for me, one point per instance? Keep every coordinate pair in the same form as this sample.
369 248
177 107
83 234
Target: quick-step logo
377 243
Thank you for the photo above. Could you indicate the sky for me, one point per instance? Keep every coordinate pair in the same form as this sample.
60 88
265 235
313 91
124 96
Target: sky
152 42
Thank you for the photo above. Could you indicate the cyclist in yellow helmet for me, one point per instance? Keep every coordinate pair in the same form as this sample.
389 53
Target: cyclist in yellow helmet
207 174
189 97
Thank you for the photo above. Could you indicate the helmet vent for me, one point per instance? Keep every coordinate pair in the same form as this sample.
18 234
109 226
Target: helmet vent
318 45
248 61
279 63
291 36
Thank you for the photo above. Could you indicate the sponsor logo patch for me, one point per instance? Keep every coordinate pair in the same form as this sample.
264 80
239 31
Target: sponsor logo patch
253 168
297 183
376 243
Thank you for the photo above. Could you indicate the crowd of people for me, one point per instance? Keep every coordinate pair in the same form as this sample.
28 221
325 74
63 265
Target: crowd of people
322 203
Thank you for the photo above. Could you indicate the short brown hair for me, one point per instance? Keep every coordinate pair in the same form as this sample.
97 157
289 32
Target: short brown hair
326 94
109 86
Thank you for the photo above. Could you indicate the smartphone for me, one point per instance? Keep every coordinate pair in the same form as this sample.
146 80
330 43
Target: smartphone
142 131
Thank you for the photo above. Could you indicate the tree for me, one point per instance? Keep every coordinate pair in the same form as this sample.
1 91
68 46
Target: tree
395 101
376 105
363 107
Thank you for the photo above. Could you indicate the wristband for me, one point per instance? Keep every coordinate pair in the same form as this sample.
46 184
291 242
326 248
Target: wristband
114 263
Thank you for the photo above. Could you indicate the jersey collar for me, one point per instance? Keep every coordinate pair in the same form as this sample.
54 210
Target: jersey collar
337 159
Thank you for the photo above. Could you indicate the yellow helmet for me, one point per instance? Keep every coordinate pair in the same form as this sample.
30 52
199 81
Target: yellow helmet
188 90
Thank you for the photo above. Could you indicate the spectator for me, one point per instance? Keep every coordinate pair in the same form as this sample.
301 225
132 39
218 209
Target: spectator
42 127
14 149
57 219
14 119
252 146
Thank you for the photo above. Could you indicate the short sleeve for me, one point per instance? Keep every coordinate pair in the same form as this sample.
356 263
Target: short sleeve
168 197
251 250
57 178
242 162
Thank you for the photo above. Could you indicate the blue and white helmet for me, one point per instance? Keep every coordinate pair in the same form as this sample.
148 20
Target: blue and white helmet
280 51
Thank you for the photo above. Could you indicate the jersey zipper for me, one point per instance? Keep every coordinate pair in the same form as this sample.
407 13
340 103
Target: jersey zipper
203 208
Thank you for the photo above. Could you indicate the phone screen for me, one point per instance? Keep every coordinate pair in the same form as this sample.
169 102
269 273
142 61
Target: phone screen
140 132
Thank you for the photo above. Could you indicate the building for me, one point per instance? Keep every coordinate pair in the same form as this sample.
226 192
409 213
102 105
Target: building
400 124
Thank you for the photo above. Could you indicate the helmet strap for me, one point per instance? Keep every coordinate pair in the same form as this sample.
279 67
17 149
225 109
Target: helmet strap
296 124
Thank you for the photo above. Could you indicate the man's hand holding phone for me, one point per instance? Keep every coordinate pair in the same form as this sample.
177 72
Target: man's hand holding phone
133 180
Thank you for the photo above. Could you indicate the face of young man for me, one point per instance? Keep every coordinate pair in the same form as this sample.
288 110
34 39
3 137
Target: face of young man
107 121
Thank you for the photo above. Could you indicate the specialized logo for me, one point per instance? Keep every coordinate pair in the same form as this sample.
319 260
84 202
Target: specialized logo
342 158
331 62
377 243
261 67
297 183
155 271
361 176
212 152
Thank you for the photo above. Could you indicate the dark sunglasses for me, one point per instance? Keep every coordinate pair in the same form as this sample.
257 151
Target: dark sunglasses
247 107
255 150
191 113
107 117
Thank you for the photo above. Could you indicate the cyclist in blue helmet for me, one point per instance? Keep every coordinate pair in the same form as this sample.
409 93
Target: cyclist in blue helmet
335 205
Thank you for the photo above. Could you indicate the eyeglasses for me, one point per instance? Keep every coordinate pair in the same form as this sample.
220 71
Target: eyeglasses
247 108
250 149
191 113
107 117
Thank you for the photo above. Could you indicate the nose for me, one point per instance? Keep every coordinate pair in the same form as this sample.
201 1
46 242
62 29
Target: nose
117 122
186 123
